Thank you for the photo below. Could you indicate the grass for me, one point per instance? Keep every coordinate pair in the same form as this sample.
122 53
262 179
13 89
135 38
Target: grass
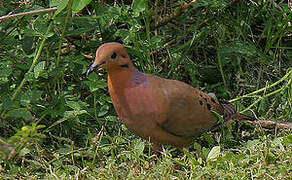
257 155
57 124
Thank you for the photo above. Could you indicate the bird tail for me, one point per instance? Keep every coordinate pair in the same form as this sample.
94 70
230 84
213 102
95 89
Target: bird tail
244 117
231 113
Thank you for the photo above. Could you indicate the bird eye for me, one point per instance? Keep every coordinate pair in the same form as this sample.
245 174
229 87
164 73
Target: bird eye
114 55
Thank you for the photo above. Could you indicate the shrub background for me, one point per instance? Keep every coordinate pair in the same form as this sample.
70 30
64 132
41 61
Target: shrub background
55 122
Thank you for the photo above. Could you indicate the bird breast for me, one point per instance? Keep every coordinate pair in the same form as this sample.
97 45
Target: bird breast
137 105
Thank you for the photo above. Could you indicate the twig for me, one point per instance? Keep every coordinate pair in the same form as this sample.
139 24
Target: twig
10 16
271 124
170 17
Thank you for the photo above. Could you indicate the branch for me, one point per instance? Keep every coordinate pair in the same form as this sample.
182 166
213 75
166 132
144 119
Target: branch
10 16
170 17
271 124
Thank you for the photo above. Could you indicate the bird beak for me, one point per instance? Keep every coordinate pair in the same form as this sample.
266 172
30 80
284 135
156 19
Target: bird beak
92 67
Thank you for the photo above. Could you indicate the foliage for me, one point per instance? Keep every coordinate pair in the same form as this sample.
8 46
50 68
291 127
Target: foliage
49 110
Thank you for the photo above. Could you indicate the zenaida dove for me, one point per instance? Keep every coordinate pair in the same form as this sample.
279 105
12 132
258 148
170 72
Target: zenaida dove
162 110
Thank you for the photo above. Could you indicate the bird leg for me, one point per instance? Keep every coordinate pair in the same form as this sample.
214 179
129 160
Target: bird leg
157 148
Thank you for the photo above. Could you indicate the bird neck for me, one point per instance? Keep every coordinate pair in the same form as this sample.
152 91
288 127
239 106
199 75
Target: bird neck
125 78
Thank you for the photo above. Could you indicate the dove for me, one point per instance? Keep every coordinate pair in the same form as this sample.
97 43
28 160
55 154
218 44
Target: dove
161 110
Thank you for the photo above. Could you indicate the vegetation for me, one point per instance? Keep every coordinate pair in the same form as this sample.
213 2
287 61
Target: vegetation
55 123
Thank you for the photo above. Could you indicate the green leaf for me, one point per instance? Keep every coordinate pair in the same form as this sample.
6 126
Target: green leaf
209 138
29 76
27 44
191 157
61 4
25 98
252 143
78 5
73 114
39 68
139 147
214 153
238 47
95 82
138 6
23 152
287 140
20 113
219 117
36 95
103 110
5 72
74 105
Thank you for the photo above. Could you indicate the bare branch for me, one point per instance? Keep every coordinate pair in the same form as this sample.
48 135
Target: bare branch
272 124
170 17
10 16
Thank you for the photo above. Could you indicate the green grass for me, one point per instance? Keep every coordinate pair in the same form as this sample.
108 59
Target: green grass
57 124
255 154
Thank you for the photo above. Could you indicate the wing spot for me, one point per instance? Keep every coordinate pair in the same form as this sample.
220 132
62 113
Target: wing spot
208 106
206 99
213 100
201 102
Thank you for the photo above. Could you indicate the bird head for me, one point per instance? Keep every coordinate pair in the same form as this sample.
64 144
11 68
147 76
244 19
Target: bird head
111 56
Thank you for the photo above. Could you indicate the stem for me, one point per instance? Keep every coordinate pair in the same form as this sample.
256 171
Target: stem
94 105
63 32
221 69
261 98
265 88
34 62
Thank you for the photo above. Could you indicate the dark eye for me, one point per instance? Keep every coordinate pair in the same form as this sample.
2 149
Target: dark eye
114 55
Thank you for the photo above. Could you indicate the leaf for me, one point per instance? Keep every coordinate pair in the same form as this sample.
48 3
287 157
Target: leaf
191 157
287 140
156 42
74 105
214 153
139 147
5 72
29 76
95 83
24 151
252 143
20 113
209 138
73 114
238 47
103 110
36 95
78 5
25 98
61 4
219 117
67 115
39 68
27 44
138 6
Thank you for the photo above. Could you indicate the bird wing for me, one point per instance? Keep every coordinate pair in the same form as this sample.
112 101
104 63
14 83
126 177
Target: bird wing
189 111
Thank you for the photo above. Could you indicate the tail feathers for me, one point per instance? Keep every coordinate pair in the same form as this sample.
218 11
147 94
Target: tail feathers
229 112
244 117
